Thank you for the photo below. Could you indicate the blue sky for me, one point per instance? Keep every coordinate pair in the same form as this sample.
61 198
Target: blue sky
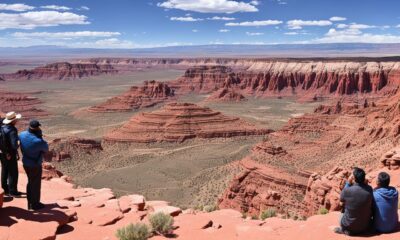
154 23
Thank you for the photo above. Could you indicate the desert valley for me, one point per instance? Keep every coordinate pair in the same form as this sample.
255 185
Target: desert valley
199 120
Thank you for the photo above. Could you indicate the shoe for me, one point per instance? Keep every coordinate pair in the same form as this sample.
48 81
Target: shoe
7 194
15 194
38 206
339 230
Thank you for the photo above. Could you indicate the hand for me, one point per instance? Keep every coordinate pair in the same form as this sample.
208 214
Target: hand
351 179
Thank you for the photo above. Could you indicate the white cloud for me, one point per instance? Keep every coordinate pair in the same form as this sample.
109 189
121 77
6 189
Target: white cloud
209 6
31 20
353 35
337 19
224 30
398 26
291 33
255 2
299 24
85 8
222 18
195 30
185 19
281 2
254 23
56 7
254 33
107 43
18 7
64 35
360 26
342 25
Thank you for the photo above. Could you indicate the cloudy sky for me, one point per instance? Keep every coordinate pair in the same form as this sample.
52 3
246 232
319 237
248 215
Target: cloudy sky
154 23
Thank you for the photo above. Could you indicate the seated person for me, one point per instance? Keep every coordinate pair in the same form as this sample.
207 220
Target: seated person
386 200
357 199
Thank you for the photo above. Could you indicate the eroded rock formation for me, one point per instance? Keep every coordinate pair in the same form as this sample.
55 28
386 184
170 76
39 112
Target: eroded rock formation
177 122
260 187
148 95
288 78
21 103
61 71
61 150
226 95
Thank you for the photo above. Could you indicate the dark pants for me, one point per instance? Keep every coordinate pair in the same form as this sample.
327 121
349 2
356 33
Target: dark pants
9 174
34 184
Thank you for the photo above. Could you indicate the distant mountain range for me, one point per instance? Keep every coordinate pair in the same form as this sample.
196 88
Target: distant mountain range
256 51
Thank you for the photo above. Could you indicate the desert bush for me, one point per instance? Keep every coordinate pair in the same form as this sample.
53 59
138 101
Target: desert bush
323 211
138 231
210 208
270 212
244 215
161 223
254 217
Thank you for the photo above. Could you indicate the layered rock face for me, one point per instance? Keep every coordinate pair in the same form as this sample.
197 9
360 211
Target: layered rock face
61 71
287 78
148 95
177 122
21 103
260 187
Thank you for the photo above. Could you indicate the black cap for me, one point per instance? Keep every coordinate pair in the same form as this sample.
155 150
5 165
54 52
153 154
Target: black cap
34 124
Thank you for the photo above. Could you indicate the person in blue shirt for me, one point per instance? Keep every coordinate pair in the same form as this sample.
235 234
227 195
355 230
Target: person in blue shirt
33 147
386 200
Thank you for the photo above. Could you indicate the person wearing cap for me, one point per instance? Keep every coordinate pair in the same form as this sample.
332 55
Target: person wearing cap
9 165
33 147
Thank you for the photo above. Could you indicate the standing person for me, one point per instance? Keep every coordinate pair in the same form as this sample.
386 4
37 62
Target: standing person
386 200
9 164
33 147
357 199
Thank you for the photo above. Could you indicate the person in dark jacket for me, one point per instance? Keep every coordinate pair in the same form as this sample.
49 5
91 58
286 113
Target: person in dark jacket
357 199
33 147
386 200
9 164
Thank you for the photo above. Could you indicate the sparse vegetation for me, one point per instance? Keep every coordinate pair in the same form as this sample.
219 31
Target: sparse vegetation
244 215
323 211
254 217
270 212
161 223
138 231
210 208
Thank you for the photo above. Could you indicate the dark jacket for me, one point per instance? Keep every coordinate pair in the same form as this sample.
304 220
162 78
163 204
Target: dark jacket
11 134
32 148
357 201
385 209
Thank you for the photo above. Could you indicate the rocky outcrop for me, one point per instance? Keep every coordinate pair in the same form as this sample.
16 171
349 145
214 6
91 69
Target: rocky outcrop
226 95
391 159
148 95
177 122
61 150
324 191
61 71
260 187
269 148
21 103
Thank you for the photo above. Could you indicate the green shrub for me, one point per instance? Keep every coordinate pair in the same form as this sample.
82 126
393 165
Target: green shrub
161 223
323 211
270 212
210 208
138 231
244 215
254 217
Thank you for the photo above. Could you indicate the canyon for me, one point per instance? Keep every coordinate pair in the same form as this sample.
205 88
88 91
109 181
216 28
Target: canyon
296 170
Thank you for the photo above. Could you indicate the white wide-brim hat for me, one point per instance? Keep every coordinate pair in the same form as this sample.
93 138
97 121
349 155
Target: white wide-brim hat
10 117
